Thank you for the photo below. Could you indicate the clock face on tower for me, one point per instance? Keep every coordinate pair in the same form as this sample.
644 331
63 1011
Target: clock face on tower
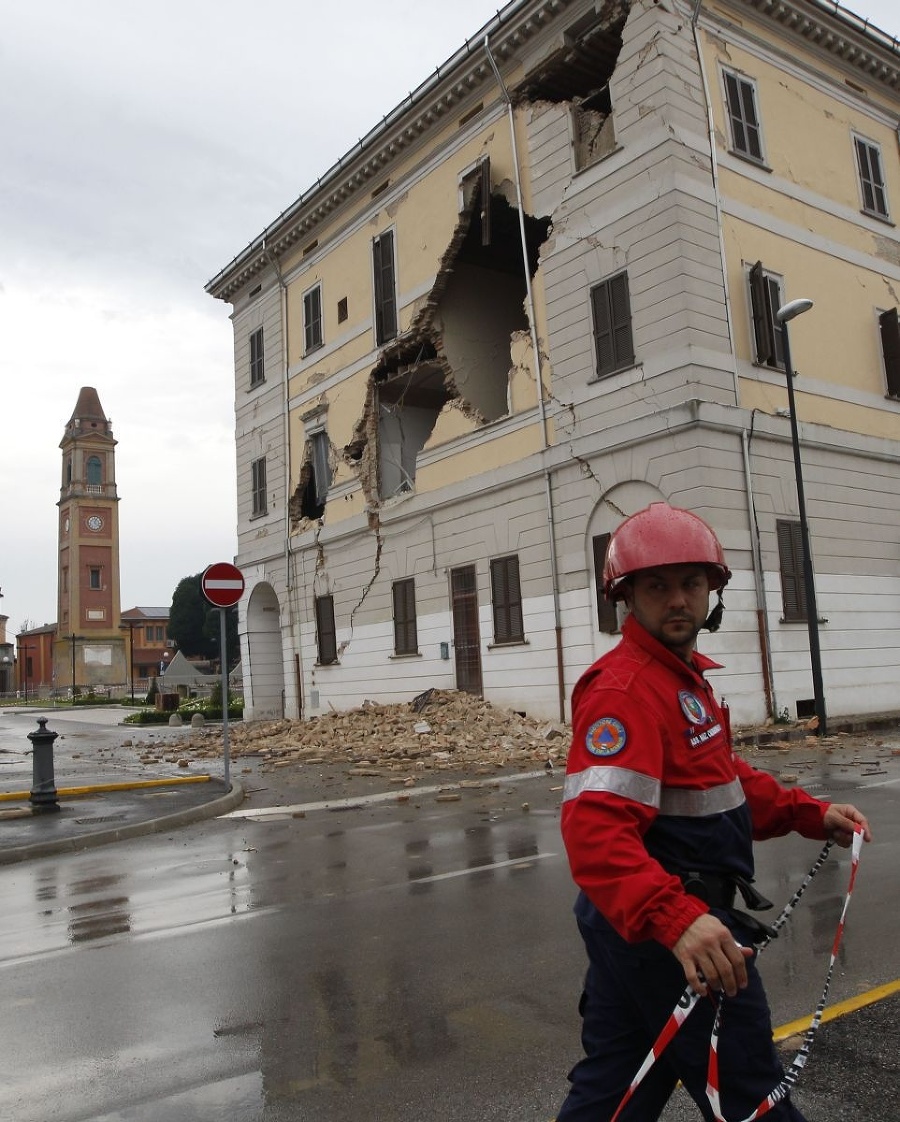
95 522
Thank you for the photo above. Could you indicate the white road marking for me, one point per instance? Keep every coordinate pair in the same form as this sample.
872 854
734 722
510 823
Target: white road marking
381 797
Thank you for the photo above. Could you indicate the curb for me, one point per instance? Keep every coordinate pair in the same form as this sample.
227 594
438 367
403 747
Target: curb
773 734
231 799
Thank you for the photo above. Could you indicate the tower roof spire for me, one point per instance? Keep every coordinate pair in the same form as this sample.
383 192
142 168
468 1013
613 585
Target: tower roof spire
88 415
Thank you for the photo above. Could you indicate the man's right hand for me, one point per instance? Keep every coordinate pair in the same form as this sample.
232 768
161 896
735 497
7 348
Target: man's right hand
708 948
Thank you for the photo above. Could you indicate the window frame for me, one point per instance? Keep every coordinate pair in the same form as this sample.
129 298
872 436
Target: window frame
738 118
406 631
257 344
258 488
612 325
768 333
506 600
95 578
384 287
326 630
871 178
313 323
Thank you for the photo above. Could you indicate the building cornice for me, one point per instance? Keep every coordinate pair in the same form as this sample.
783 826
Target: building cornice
459 80
835 29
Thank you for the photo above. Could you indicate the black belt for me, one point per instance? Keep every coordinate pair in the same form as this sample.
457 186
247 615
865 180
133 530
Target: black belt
719 891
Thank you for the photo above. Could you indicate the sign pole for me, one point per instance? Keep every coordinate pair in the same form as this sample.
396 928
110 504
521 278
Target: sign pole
223 585
224 671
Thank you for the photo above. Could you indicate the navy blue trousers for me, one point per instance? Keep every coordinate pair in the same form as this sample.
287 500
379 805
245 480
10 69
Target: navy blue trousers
629 992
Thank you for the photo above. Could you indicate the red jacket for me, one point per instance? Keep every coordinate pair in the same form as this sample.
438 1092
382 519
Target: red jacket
653 788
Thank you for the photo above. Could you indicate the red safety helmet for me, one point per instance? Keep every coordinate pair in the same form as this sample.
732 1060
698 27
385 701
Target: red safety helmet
662 535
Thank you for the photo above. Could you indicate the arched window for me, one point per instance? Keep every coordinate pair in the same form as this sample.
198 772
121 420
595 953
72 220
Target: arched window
94 471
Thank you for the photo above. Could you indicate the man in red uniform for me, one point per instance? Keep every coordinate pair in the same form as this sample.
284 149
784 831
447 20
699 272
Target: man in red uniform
658 820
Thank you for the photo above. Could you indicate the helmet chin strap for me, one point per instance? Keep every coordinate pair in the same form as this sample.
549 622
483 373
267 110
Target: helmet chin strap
714 620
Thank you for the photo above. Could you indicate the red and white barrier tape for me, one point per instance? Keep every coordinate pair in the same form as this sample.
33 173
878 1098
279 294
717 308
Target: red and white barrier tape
689 999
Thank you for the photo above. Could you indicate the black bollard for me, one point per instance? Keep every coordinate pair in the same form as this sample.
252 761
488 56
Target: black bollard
43 785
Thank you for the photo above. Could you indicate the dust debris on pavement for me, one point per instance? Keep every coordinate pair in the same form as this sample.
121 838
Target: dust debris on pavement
452 731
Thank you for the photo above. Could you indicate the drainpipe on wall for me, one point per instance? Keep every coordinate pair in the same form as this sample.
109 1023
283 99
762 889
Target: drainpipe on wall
539 381
762 618
286 430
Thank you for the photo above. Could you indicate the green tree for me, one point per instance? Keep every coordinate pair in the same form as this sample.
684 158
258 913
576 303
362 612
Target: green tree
194 623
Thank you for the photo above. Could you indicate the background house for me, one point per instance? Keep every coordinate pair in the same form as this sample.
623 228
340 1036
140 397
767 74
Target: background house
541 294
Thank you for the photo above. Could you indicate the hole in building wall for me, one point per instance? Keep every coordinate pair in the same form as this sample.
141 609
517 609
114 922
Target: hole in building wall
578 73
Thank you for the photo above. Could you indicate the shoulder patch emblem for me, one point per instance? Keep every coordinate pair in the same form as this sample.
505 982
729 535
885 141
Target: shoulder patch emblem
692 707
606 737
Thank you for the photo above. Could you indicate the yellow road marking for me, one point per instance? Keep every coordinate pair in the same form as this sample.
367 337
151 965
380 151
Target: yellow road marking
793 1028
134 785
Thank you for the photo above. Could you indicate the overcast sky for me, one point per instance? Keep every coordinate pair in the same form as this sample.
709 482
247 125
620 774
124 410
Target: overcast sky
143 146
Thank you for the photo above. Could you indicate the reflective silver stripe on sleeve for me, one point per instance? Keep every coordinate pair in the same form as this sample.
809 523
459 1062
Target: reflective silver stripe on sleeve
682 802
616 780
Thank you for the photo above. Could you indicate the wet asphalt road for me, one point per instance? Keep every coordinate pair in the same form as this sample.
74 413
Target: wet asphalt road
391 961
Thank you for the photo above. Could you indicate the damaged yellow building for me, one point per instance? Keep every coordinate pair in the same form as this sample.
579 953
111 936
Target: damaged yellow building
540 294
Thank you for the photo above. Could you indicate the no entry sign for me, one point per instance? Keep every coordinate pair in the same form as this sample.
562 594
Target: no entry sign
222 584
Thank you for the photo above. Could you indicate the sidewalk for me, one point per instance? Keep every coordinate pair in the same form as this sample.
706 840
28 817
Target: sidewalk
101 797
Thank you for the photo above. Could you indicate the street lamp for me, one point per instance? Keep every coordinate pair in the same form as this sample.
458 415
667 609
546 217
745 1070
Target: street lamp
73 638
784 314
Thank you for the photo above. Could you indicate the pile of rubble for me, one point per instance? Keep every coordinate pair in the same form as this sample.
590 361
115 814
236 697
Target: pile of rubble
441 730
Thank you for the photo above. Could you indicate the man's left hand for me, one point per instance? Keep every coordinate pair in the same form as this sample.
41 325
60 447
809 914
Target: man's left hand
842 820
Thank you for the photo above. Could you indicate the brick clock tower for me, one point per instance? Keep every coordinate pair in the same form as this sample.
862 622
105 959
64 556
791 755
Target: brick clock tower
90 647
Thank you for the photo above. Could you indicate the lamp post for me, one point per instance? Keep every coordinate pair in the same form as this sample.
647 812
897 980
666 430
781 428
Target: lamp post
784 314
73 638
129 623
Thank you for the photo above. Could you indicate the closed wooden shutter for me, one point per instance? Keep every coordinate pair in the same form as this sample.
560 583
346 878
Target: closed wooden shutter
326 635
506 594
406 640
384 283
790 557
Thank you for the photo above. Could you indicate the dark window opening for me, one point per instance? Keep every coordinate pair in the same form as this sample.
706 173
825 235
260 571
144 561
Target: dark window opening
740 101
326 634
611 308
506 597
890 349
94 472
342 312
94 579
316 475
257 358
790 559
406 639
768 333
607 615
